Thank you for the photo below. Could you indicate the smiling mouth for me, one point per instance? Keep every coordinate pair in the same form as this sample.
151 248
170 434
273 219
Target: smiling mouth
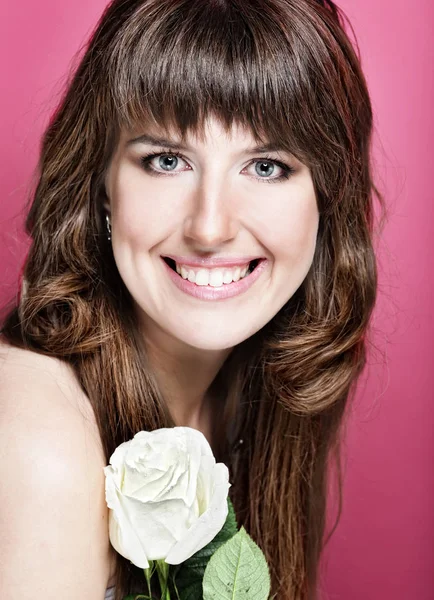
252 265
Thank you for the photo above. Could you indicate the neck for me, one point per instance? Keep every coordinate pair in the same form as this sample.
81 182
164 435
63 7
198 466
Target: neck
184 376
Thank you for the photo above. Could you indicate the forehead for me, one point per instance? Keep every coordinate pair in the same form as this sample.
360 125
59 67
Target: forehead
214 134
210 130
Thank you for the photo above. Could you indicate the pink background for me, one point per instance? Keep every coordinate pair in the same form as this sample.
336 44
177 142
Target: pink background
383 548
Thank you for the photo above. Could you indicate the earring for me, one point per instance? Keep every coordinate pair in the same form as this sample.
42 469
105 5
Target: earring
109 228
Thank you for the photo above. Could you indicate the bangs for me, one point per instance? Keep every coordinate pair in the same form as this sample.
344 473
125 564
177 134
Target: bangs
175 63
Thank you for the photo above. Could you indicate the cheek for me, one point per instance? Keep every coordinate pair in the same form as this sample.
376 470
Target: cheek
289 230
143 213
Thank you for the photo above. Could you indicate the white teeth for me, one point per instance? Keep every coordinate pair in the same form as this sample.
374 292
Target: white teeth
227 276
216 278
212 277
202 277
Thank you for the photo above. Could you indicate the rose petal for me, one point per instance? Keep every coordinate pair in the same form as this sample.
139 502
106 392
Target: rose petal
158 525
156 487
205 483
123 536
209 523
147 485
117 460
197 447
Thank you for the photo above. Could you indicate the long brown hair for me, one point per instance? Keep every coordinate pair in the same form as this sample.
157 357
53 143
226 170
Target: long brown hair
287 70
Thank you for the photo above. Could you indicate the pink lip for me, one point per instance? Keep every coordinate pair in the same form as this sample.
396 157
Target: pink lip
207 292
192 261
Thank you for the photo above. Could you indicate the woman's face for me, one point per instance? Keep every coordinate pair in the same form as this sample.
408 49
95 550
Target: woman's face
218 199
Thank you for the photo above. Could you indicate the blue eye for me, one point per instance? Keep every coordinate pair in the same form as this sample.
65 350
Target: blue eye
168 162
264 167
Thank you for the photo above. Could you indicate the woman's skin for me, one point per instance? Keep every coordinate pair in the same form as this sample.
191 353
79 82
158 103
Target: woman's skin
211 202
214 205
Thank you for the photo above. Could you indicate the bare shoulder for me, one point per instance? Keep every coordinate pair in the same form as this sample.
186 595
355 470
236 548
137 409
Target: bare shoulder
40 395
32 377
52 454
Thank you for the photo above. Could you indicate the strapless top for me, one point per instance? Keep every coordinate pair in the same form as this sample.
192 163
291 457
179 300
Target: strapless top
110 593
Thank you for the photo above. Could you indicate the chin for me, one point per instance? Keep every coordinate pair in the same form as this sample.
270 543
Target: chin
217 338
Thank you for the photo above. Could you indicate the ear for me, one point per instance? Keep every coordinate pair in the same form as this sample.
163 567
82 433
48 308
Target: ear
105 197
106 206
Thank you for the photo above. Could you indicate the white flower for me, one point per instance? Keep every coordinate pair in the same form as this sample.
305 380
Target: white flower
167 495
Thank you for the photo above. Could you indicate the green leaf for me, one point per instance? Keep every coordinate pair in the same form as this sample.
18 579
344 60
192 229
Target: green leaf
237 571
137 597
188 576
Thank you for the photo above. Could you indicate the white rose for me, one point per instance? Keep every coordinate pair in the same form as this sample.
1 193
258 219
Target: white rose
167 495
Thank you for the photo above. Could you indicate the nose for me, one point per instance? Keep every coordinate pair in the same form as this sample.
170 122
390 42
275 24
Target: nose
211 220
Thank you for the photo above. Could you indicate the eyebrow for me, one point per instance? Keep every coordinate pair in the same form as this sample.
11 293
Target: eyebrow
155 141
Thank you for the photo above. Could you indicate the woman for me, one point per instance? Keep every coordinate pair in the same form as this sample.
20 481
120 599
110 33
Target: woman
167 285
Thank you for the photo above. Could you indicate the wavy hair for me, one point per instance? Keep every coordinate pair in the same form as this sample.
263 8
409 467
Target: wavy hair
287 70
